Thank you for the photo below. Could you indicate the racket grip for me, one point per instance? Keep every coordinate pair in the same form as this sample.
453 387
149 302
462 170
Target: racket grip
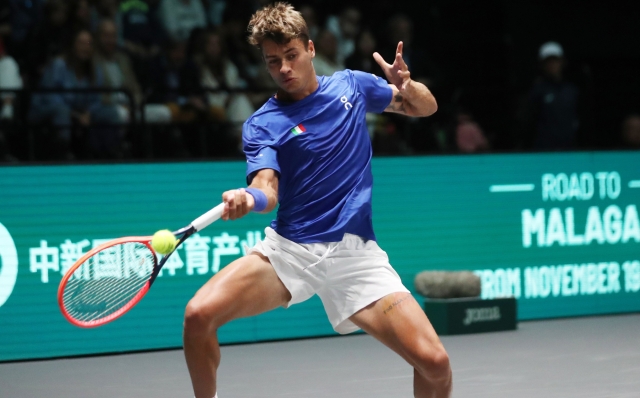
207 218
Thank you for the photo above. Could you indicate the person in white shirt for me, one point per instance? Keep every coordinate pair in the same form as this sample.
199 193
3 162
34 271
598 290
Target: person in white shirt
326 61
10 79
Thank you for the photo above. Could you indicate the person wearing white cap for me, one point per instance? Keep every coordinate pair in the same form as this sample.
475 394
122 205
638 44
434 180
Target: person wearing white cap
550 49
551 108
552 58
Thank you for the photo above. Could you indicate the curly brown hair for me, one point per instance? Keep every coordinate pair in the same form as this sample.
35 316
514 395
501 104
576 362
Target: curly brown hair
279 22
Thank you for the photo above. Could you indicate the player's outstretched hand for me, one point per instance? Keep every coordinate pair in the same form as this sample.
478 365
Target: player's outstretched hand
238 203
397 73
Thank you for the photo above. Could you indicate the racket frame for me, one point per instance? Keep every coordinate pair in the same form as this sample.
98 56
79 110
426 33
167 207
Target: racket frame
182 234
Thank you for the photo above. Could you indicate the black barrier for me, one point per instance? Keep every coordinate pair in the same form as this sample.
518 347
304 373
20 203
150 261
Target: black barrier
141 129
471 315
23 102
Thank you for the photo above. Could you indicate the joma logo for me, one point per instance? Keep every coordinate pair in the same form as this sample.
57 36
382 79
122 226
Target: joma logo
474 315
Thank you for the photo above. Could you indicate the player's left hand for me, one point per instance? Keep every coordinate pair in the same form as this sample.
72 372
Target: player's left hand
398 73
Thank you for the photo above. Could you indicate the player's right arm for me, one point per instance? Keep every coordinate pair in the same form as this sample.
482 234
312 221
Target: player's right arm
238 202
263 172
266 180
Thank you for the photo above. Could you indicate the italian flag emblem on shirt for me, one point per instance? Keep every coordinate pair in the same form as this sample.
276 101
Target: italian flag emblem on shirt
299 129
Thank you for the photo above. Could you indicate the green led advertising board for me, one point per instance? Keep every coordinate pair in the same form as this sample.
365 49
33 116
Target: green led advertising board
560 232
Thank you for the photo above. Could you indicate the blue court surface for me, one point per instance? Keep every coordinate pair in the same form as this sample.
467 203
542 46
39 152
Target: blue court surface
564 358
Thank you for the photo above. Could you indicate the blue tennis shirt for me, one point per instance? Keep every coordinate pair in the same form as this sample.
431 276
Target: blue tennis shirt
321 149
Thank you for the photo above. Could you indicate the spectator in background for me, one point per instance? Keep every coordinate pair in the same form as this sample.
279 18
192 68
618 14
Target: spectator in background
80 15
5 153
326 61
5 21
217 71
345 27
247 58
309 15
176 84
410 135
117 69
10 79
630 132
142 35
180 17
469 136
423 69
362 57
49 39
76 70
215 11
362 60
24 16
549 115
106 9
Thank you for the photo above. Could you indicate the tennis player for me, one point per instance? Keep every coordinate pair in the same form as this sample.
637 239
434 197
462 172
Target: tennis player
309 151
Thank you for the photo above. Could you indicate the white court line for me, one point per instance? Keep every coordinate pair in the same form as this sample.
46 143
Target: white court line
634 184
512 188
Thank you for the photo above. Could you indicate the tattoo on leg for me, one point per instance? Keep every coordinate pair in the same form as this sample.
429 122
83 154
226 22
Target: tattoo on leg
395 303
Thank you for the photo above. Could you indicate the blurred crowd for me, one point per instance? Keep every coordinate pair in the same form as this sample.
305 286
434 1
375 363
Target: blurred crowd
134 79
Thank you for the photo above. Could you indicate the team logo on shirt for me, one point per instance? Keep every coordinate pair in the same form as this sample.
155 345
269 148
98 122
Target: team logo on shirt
299 129
345 101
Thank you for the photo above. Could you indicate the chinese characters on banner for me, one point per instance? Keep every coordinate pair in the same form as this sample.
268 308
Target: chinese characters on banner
198 255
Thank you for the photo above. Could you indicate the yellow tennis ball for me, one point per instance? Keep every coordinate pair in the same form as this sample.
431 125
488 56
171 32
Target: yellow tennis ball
163 242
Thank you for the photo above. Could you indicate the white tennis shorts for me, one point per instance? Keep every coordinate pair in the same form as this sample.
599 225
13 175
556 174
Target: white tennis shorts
346 275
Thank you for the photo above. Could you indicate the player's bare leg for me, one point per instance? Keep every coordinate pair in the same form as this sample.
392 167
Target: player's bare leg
246 287
399 322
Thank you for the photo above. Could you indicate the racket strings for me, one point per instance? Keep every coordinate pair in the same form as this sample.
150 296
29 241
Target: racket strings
107 281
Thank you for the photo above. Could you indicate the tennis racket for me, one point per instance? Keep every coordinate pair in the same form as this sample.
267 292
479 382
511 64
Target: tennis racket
112 278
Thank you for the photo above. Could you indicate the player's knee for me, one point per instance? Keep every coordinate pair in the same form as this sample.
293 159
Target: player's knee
195 319
433 364
199 319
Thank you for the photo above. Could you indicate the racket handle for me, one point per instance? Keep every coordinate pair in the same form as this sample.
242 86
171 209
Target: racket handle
207 218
